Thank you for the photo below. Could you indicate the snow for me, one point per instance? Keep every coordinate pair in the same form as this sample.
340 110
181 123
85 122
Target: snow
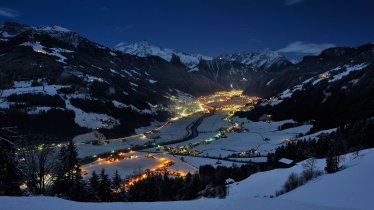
90 136
193 69
286 161
251 159
351 187
265 184
47 89
125 167
315 80
85 150
118 104
48 203
268 83
285 94
354 81
133 84
91 78
91 120
266 58
348 70
98 67
317 134
175 130
144 49
38 109
37 47
53 28
112 54
254 139
5 34
113 71
20 84
121 105
152 81
57 52
200 161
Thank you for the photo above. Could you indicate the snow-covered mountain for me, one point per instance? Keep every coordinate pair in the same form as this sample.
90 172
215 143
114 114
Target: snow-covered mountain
329 88
144 49
11 29
45 63
265 59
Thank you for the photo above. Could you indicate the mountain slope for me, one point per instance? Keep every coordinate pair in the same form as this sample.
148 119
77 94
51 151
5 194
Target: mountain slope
311 66
51 72
332 89
145 49
267 59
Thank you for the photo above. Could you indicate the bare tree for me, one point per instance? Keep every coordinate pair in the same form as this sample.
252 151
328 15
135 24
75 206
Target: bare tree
38 167
310 169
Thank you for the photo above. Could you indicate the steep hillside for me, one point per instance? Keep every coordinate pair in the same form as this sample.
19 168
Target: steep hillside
310 66
145 49
50 73
267 59
331 89
237 70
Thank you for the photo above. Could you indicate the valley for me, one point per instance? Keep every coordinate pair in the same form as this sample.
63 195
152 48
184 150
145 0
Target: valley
111 117
202 131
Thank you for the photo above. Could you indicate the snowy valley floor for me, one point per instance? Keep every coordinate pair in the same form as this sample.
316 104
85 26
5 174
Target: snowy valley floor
350 188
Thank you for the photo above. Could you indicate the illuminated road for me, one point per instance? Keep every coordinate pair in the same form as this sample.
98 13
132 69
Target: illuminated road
191 129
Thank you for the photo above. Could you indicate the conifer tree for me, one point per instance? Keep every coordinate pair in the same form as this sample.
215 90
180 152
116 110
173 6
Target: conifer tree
68 172
104 188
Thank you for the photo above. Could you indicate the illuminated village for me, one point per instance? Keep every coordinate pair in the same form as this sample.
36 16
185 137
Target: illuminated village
148 146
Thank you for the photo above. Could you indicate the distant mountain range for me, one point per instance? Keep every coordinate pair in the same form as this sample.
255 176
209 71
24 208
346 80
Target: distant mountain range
263 60
49 73
144 49
267 59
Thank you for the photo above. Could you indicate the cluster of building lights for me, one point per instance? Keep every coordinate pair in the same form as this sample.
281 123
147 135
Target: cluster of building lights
159 169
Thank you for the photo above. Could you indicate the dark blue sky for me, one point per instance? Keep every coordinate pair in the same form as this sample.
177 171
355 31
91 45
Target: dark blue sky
206 26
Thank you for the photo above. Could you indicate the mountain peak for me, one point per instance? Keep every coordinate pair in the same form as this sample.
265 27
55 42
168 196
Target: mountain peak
14 28
144 49
264 59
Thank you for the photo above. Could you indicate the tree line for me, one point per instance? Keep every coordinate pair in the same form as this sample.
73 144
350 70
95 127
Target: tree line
41 171
46 172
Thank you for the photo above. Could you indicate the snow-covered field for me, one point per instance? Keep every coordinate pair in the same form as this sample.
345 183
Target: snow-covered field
199 161
48 203
124 167
169 132
175 130
254 139
265 184
350 188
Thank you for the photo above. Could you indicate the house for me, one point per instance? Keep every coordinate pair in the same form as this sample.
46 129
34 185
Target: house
286 162
229 181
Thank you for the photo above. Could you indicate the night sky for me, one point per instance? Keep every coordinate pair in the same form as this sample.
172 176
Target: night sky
294 27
